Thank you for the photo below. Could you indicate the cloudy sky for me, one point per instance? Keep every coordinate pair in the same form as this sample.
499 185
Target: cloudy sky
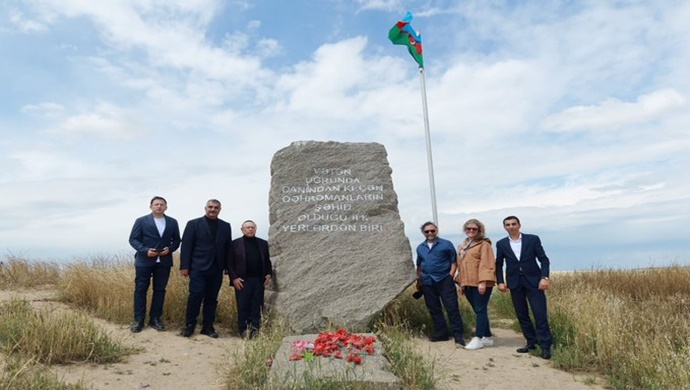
572 115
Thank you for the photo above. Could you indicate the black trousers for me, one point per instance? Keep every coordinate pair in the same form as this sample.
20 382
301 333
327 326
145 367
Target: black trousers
142 280
523 294
444 291
250 301
203 289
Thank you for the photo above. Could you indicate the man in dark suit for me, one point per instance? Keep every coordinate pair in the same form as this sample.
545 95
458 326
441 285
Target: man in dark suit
250 271
206 250
155 237
527 282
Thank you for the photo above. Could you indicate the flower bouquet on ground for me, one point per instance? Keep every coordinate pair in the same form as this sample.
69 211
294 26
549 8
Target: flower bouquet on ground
302 349
335 344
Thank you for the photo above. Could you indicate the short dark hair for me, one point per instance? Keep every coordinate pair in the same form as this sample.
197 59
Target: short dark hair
425 224
158 198
214 201
511 217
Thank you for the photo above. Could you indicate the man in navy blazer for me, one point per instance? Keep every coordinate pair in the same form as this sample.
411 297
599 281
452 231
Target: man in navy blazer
250 271
155 237
206 251
527 282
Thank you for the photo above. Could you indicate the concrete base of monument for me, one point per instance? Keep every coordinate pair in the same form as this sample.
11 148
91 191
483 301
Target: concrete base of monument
373 373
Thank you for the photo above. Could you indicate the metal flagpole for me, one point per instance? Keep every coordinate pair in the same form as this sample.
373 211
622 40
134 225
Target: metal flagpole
429 159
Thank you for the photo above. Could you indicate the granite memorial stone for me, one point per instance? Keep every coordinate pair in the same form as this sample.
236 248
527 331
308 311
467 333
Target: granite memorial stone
336 238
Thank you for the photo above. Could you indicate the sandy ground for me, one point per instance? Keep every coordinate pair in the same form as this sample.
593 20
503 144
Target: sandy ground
167 361
499 367
170 361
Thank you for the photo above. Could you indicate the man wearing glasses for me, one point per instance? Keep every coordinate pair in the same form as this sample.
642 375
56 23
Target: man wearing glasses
527 282
250 271
436 266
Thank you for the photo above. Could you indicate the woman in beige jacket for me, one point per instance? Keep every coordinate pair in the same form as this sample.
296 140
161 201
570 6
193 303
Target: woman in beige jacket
477 277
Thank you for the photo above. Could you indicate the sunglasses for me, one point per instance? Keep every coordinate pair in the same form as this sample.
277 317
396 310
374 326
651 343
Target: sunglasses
429 231
471 229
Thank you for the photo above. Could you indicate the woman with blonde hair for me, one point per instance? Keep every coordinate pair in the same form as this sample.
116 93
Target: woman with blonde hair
477 277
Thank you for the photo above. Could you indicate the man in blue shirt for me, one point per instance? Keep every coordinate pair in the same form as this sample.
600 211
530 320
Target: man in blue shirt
436 266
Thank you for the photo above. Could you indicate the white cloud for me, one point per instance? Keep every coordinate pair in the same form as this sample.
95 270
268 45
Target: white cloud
326 86
386 5
26 25
613 113
523 108
170 32
105 121
241 5
268 48
485 99
46 108
39 162
254 24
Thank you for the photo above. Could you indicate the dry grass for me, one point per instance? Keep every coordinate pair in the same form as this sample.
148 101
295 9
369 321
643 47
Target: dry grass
408 365
413 317
17 272
25 374
250 366
106 288
633 326
55 337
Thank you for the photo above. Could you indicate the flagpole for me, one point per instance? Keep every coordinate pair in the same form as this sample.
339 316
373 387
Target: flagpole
429 159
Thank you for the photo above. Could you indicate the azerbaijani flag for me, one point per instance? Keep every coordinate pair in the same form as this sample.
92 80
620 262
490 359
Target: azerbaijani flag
403 34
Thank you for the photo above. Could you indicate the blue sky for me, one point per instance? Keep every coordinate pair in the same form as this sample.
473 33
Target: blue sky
572 115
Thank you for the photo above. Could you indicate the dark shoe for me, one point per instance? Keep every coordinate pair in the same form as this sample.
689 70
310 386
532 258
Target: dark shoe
210 332
137 327
157 324
437 338
188 331
526 348
546 353
460 343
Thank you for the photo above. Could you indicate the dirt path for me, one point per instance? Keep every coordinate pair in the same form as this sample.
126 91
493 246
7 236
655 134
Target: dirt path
499 367
170 361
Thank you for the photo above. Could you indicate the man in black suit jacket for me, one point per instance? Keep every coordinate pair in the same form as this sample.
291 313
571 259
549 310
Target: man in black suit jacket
206 250
527 282
250 271
155 237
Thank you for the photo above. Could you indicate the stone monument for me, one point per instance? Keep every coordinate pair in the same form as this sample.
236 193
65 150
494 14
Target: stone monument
336 238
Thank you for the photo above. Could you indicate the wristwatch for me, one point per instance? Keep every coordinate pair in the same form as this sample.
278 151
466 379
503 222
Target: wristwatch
545 277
